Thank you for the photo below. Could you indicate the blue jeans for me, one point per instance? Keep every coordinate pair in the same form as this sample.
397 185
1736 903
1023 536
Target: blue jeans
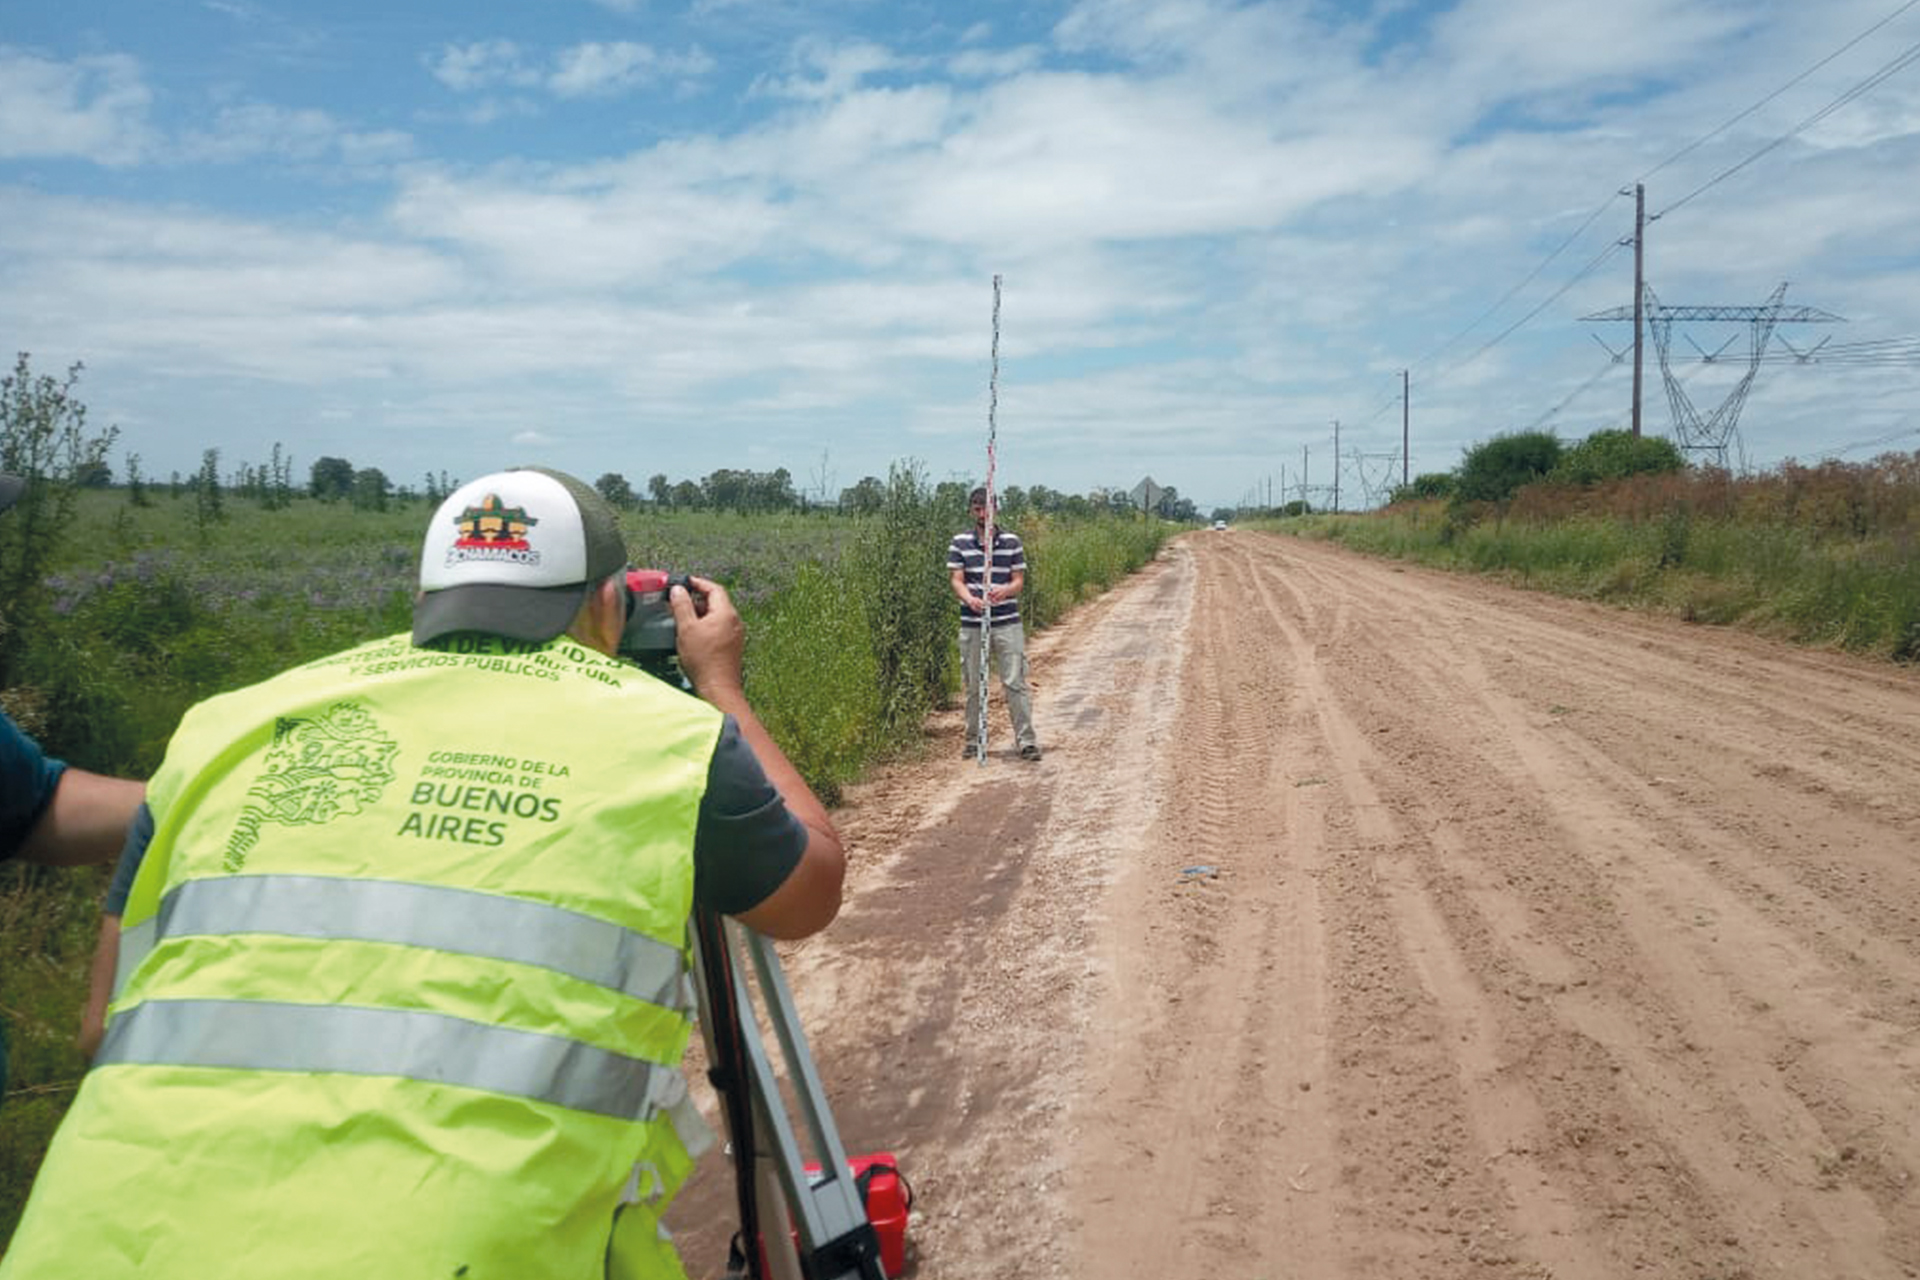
1009 645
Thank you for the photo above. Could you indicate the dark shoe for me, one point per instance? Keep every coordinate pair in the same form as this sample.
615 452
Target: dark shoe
1030 752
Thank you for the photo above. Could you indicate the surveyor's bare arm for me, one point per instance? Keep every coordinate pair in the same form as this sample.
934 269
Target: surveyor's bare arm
710 646
106 955
86 822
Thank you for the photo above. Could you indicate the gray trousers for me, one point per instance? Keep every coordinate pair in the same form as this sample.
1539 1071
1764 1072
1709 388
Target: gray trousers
1009 645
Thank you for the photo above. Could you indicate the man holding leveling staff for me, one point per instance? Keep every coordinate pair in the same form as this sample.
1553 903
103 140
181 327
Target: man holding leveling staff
402 970
987 582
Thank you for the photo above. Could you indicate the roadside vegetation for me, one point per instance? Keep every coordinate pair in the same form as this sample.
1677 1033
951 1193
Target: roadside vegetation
1819 555
126 603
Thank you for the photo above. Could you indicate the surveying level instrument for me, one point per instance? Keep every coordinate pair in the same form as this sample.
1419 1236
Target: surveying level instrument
804 1214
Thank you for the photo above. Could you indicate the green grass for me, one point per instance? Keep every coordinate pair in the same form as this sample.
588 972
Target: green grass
49 920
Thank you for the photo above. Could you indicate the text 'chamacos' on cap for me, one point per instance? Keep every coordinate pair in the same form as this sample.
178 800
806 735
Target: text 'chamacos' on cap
513 554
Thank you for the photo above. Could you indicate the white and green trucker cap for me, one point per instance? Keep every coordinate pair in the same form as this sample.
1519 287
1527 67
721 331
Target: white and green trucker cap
514 554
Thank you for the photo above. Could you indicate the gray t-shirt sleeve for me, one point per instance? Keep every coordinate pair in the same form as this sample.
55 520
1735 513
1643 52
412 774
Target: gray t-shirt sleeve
28 779
139 835
747 842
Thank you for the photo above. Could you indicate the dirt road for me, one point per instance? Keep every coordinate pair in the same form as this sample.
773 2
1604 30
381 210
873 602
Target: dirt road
1364 921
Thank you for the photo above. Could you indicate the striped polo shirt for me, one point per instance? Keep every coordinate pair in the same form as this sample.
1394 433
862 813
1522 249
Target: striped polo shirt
965 552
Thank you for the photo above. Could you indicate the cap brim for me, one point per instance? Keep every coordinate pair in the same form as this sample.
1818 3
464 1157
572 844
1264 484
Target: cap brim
518 613
11 487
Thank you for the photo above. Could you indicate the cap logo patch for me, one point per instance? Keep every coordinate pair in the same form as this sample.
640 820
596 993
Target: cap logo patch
493 532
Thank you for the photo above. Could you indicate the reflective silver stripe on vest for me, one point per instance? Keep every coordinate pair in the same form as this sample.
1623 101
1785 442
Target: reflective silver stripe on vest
134 945
435 1048
437 917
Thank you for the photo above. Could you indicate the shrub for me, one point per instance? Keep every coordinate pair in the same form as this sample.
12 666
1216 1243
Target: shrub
1494 470
1615 455
43 439
898 571
1433 484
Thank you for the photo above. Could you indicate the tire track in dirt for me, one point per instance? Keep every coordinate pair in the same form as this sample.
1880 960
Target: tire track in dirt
1464 1097
1215 892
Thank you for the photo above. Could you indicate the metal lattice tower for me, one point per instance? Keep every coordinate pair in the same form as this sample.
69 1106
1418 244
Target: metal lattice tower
1714 433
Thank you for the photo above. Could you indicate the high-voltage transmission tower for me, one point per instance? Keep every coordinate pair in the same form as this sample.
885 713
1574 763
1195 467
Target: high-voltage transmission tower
1713 434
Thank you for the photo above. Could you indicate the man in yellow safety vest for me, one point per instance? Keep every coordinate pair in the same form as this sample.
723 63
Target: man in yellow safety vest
402 974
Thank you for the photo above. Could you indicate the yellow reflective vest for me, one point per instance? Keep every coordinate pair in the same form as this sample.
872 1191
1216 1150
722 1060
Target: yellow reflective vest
403 982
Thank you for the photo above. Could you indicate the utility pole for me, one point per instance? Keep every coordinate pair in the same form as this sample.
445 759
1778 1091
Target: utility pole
1404 401
1639 290
1303 479
1336 466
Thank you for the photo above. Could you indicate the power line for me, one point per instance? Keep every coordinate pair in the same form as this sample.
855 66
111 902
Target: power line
1873 352
1575 394
1875 443
1900 62
1420 364
1701 141
1544 303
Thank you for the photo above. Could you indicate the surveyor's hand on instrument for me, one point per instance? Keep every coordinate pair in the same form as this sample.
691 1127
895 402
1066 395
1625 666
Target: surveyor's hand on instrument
709 641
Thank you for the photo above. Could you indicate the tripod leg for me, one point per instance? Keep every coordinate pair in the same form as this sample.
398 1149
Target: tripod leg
776 1227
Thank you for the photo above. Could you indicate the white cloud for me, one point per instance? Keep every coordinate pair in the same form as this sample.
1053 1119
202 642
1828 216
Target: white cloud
1060 158
592 69
254 130
136 285
1491 50
603 70
823 70
481 65
994 64
582 234
93 108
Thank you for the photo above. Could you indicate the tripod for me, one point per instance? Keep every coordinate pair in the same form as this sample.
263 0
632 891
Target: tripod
823 1209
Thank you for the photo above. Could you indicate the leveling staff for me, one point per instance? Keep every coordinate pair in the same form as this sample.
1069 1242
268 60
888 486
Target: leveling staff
356 1034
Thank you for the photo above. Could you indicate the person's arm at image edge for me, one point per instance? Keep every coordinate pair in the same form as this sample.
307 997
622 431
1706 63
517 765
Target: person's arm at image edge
85 822
106 957
106 951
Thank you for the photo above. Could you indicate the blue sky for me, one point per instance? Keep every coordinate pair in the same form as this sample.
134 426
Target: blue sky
641 236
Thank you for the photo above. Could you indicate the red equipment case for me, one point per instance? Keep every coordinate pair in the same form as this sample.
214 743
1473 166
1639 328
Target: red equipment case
887 1197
